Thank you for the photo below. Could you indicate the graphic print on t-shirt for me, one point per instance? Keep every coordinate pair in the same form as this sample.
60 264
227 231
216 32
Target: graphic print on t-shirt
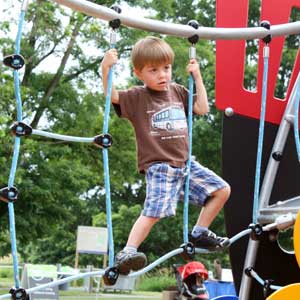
171 118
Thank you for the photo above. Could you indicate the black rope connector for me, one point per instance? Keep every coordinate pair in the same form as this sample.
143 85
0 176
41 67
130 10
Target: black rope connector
277 155
9 194
257 231
267 287
248 271
103 140
188 251
20 129
266 24
114 24
14 61
18 294
195 38
110 276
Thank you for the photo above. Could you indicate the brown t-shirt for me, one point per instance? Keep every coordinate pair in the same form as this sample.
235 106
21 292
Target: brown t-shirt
159 121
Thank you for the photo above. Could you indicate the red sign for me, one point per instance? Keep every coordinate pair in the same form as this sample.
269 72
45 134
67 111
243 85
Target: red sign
230 62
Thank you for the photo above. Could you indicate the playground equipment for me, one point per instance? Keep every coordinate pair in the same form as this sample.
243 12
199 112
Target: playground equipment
267 216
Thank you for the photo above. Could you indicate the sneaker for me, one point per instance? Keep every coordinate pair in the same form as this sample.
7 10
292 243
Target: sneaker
126 261
209 240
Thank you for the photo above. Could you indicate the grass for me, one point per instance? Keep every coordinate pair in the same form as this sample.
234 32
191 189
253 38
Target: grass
156 283
81 295
109 296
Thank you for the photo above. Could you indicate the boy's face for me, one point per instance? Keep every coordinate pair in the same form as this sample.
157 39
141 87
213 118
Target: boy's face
156 77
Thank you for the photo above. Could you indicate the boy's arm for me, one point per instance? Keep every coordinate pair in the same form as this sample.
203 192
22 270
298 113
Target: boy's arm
109 59
201 106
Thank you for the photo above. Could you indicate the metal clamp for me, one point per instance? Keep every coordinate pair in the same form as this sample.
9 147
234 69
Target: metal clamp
188 251
14 61
103 140
18 294
20 129
9 194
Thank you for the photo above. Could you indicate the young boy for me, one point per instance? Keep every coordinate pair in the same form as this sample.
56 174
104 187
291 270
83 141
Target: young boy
157 111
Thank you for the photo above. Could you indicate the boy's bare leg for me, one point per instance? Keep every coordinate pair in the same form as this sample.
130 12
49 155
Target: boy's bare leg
201 236
140 230
129 259
213 206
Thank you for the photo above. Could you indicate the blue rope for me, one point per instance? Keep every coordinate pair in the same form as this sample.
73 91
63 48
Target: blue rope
12 227
188 165
19 33
260 139
296 116
106 169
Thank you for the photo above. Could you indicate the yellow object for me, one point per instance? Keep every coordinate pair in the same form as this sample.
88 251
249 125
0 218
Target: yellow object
297 239
292 291
288 292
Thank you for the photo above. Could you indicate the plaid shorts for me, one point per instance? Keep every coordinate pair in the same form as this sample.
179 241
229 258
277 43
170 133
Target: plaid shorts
165 184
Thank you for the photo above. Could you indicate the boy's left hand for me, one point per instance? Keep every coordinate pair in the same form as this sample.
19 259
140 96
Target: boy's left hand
193 68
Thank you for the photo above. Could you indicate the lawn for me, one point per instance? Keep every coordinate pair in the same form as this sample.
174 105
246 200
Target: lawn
68 295
81 295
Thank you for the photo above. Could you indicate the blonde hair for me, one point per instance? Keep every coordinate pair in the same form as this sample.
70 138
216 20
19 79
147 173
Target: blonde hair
151 50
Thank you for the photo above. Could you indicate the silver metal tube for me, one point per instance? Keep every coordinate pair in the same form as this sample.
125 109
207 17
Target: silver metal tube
266 52
62 137
278 146
185 31
113 38
192 52
245 287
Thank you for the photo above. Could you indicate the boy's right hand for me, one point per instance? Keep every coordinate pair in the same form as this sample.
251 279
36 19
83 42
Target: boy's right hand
110 58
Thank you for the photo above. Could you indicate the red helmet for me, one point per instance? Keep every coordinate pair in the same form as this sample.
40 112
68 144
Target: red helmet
193 267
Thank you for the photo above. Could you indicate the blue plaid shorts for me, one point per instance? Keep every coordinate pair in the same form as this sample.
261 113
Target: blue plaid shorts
165 184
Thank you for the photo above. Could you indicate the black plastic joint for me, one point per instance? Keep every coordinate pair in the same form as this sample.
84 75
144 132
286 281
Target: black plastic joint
188 251
257 231
116 23
267 287
110 276
14 61
9 194
277 155
248 271
18 294
103 140
20 129
195 38
266 24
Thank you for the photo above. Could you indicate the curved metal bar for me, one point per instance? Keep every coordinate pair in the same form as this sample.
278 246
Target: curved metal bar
62 137
58 282
5 296
156 263
208 33
262 282
239 235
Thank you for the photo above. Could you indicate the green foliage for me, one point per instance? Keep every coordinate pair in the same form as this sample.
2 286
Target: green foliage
156 283
6 273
